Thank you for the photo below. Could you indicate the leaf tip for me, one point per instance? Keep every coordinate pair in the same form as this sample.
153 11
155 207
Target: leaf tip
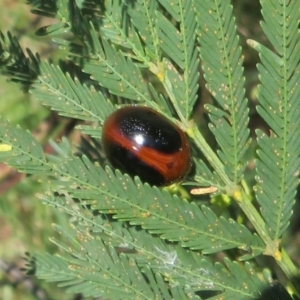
5 147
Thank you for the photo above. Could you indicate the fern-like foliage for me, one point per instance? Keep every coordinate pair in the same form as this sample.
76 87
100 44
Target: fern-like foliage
58 9
223 71
91 267
111 274
101 252
161 37
110 271
129 24
206 177
113 71
180 47
71 99
143 16
128 240
26 154
278 160
117 194
44 8
15 64
105 258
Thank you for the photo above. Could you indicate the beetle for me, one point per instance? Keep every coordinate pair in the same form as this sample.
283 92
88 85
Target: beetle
140 141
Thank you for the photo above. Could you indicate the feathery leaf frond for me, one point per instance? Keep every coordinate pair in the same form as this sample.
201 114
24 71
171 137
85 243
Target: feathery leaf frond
69 98
26 153
125 239
113 275
143 15
117 194
278 160
147 271
113 71
160 34
118 26
180 267
206 177
223 71
43 8
15 64
178 43
58 9
196 228
140 204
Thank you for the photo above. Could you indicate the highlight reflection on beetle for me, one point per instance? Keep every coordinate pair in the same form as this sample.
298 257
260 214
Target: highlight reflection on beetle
140 141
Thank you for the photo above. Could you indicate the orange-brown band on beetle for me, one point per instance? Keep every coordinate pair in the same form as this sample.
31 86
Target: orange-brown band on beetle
173 166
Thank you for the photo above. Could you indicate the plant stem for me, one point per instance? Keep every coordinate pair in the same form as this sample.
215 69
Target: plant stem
257 221
236 192
244 201
210 155
288 267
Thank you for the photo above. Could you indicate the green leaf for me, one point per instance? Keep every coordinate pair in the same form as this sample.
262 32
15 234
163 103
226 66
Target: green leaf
59 9
113 276
150 270
43 8
178 42
205 177
111 272
139 204
112 70
26 153
223 72
15 64
143 15
69 97
278 157
117 194
130 24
